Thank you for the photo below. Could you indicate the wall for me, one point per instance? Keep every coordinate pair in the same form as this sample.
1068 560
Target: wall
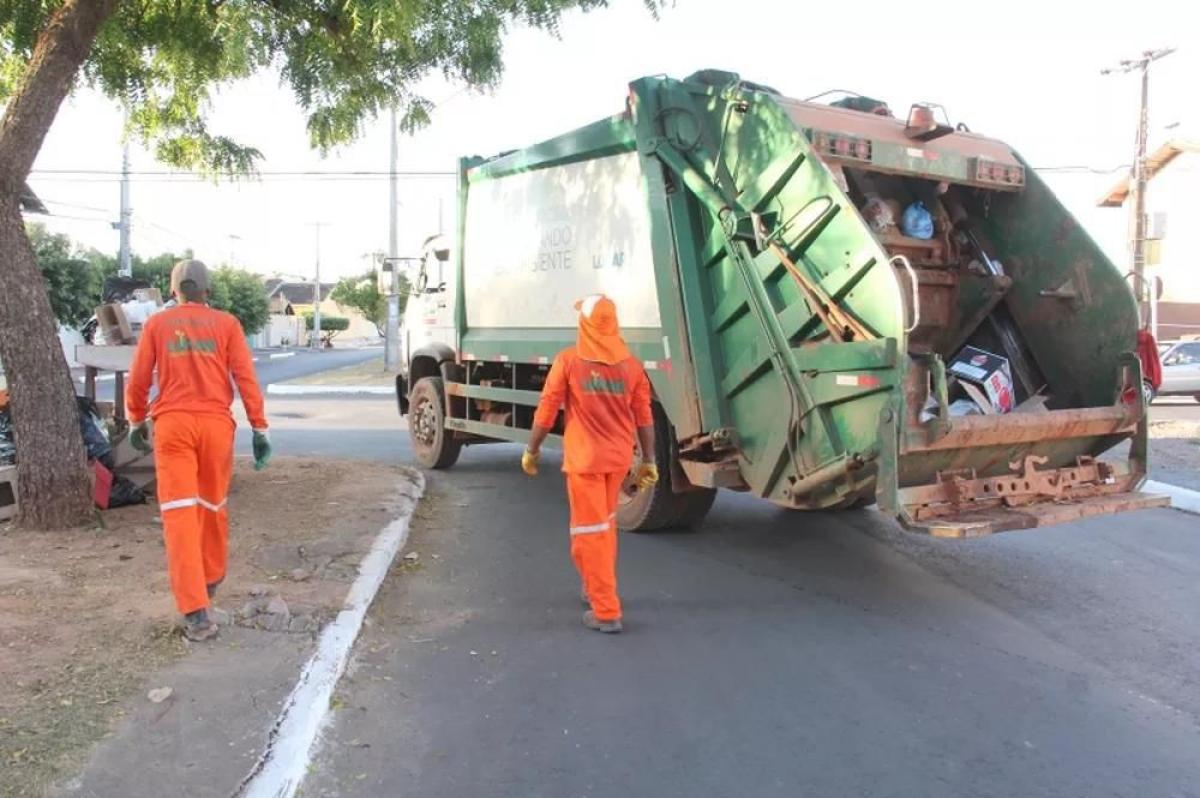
1176 192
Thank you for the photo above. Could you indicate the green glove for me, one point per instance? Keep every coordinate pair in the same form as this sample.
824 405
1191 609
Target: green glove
139 437
262 449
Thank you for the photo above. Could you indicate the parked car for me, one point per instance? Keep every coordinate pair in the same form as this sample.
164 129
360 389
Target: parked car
1181 369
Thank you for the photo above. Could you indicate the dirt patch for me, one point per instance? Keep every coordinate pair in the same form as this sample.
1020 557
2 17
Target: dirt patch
86 615
369 372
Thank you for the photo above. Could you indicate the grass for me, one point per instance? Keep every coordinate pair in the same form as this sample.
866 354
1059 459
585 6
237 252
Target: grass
369 372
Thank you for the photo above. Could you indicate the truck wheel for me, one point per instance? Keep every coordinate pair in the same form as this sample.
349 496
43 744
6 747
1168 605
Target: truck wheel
660 507
432 443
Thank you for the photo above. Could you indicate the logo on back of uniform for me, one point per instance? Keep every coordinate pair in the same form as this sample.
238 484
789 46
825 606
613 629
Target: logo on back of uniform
183 345
598 383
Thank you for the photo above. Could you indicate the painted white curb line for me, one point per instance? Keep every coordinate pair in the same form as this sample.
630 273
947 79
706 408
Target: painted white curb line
278 355
312 390
284 764
1181 498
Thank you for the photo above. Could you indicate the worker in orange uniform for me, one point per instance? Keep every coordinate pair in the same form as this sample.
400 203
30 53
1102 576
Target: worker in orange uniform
607 399
194 349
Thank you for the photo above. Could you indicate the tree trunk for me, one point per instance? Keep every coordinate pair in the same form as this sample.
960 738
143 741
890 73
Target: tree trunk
52 477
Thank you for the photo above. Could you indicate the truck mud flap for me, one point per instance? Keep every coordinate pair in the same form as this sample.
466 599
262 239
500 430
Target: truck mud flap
973 523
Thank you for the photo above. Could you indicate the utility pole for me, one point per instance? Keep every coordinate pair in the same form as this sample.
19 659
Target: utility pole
1137 225
391 351
316 333
125 267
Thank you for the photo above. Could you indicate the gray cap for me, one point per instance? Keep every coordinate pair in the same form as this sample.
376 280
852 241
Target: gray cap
189 279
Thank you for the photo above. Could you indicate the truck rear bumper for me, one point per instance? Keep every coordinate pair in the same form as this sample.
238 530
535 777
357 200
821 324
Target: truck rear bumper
977 522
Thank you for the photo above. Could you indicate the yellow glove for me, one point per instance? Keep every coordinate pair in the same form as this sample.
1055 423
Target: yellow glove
529 462
647 476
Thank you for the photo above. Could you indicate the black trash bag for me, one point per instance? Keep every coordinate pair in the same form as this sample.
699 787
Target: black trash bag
8 447
124 493
95 439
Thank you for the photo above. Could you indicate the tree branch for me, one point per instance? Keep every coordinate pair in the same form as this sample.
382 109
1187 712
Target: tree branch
61 50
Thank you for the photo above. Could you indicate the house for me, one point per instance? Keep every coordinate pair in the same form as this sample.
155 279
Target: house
1173 248
289 302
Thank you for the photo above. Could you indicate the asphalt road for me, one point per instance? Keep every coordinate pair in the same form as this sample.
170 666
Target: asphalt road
768 653
269 370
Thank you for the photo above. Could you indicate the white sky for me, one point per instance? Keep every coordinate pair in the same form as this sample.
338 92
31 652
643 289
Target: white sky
1025 72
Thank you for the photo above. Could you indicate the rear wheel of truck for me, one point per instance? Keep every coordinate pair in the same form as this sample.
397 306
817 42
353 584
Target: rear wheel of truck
660 507
433 444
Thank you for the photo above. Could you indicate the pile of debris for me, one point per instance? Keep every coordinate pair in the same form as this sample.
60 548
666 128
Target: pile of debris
109 488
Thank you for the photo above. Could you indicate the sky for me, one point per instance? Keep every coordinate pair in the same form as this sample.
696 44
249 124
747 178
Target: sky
1024 72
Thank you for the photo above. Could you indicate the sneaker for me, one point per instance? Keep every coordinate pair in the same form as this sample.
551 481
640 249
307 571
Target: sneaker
608 627
197 627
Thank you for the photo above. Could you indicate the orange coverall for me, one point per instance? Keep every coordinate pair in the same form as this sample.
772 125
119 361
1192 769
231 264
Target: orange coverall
605 403
194 349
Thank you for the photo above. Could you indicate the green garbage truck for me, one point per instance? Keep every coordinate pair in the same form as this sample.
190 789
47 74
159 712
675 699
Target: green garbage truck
837 306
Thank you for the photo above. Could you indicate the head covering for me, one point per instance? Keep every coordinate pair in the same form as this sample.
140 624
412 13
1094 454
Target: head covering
599 337
189 280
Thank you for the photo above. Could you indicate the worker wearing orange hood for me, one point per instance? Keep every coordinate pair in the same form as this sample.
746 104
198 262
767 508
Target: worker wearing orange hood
606 395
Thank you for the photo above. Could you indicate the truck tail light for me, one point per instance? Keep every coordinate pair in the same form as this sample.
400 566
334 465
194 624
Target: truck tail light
999 173
839 145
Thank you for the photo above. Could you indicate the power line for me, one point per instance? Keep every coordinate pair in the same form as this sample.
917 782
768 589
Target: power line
261 173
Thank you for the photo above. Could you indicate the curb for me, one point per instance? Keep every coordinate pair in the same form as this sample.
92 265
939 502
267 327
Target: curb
281 769
312 390
1183 499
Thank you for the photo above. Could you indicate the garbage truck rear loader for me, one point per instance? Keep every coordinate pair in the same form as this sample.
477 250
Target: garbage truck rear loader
835 307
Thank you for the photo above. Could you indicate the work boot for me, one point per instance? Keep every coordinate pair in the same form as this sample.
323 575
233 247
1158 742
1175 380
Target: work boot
608 627
197 626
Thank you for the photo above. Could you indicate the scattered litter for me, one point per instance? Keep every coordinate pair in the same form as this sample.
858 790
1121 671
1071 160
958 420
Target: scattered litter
301 575
412 556
160 694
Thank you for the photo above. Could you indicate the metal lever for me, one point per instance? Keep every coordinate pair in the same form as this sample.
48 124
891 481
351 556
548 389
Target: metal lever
916 297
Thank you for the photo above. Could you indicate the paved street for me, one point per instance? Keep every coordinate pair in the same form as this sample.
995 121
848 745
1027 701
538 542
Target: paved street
271 370
767 654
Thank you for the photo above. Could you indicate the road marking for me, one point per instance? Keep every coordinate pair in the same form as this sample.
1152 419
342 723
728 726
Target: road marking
100 378
278 355
1181 498
282 767
309 390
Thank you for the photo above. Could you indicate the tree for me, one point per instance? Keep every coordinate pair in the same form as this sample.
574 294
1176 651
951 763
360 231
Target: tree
242 294
72 281
362 293
345 61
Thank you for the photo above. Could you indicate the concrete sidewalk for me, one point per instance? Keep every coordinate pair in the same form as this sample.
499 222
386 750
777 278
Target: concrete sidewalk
224 697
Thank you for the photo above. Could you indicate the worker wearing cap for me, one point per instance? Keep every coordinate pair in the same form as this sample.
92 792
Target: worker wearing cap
195 350
607 399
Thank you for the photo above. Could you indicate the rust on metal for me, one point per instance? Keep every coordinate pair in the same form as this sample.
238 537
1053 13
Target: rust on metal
1012 428
978 522
1025 485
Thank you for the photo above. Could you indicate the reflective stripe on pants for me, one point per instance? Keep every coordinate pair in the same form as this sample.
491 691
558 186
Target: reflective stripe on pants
593 500
193 456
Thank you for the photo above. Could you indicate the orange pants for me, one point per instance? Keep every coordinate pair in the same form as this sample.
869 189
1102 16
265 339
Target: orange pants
193 457
593 500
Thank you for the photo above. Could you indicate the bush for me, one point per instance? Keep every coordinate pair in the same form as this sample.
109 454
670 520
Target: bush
329 324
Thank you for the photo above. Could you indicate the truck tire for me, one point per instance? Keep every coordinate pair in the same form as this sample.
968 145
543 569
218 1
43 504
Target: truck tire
660 507
433 444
